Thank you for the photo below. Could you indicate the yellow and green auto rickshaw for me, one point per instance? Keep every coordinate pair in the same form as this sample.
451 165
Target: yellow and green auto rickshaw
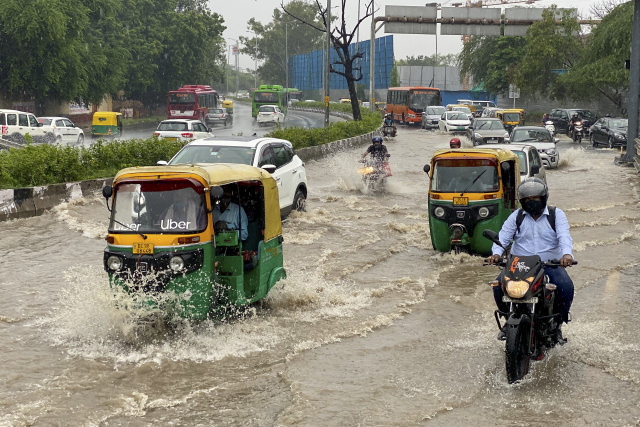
511 118
164 251
470 190
228 104
106 124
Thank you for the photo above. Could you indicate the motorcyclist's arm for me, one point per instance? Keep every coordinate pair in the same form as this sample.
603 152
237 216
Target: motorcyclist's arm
564 238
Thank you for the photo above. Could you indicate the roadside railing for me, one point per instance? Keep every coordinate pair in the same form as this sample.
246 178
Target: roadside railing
636 158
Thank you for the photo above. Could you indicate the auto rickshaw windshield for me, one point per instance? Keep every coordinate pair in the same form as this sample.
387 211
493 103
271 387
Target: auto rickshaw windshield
167 206
511 117
458 175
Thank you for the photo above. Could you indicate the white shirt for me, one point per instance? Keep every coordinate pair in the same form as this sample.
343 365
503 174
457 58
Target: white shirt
231 217
537 237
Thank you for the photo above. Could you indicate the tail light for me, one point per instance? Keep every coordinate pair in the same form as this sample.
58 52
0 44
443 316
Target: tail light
156 134
187 134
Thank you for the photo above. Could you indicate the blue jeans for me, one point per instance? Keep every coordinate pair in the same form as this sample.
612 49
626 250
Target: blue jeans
564 294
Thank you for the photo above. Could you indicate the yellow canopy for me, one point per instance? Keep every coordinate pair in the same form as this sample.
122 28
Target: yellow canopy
215 174
502 154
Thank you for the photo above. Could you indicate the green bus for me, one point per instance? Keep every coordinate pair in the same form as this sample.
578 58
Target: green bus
268 95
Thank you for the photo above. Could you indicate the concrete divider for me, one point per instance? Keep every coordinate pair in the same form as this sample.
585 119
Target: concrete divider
33 201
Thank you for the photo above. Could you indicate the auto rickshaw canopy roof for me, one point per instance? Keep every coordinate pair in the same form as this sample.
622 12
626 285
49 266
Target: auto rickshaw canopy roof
216 174
502 154
109 116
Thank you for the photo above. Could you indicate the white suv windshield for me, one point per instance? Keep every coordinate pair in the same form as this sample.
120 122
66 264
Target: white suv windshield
214 154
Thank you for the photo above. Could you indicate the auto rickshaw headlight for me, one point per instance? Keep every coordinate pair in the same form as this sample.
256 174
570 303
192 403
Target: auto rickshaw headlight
517 288
176 263
439 211
114 263
483 212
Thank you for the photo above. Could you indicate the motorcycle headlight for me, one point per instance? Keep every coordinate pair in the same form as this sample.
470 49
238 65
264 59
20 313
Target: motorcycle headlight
517 288
483 212
439 211
114 263
176 263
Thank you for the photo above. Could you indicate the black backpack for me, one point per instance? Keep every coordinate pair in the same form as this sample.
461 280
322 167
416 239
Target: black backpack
551 218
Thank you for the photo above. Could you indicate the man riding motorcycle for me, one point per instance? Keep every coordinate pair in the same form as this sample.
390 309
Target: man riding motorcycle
377 150
455 143
572 122
388 128
538 229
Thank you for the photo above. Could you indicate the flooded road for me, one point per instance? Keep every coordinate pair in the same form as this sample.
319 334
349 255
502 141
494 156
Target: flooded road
371 327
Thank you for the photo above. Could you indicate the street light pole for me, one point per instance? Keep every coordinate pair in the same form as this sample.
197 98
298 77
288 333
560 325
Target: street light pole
255 69
327 66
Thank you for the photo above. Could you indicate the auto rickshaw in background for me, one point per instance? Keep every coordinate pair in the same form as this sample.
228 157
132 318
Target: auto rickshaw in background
470 190
106 124
511 118
165 253
228 104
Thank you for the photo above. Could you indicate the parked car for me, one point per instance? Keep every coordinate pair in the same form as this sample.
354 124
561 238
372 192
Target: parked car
454 121
540 138
270 114
561 116
14 125
182 129
487 131
274 155
431 117
63 129
218 115
531 164
610 132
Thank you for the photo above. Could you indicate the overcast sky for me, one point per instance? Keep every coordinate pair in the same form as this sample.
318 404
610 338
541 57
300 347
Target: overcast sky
236 13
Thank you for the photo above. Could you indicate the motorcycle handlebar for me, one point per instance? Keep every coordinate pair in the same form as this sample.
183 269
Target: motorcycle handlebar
552 263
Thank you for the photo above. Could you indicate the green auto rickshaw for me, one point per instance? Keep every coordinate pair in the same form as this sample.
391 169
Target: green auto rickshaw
470 190
163 248
106 124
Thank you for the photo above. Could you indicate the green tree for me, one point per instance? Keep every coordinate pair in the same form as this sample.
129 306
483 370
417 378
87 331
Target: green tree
550 47
601 69
490 60
395 77
283 34
433 60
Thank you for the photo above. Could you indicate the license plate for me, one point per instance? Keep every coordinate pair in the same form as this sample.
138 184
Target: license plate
460 127
531 300
460 201
143 248
171 138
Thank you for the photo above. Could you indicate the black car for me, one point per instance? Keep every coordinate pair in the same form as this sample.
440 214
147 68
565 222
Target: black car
561 117
610 132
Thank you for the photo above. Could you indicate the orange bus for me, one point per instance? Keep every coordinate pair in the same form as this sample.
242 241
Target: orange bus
406 104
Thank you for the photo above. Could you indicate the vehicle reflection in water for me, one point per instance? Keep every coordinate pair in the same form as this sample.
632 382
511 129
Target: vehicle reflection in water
371 323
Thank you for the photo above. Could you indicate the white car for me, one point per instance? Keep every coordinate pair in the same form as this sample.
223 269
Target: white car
540 138
531 164
270 114
63 129
274 155
14 125
182 130
454 121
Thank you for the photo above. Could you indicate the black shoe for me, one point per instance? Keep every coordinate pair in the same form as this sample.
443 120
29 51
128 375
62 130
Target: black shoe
559 338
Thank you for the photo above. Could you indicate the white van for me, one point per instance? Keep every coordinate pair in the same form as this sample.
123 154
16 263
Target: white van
14 125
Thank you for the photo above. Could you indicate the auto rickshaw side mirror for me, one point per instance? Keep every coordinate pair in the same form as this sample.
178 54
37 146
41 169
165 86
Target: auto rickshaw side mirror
535 170
426 169
107 192
216 192
161 163
506 167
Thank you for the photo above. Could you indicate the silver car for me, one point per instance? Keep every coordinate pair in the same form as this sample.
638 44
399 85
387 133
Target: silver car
540 138
487 131
531 165
431 116
218 115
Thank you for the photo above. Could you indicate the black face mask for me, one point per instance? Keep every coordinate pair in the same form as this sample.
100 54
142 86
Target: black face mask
533 207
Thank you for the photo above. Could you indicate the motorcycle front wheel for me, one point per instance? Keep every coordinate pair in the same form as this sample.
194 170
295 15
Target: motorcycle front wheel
516 352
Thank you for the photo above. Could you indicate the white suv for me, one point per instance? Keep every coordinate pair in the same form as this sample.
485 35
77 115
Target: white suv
272 154
14 125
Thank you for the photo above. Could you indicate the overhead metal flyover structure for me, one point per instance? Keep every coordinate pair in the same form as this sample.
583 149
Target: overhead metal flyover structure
477 21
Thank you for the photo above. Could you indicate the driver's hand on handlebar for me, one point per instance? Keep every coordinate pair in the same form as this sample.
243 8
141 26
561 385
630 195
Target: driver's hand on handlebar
566 260
493 259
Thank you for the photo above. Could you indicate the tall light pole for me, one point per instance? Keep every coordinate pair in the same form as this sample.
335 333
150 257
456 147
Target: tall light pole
236 53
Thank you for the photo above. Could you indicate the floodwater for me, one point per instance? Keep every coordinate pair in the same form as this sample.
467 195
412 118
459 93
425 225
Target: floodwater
372 327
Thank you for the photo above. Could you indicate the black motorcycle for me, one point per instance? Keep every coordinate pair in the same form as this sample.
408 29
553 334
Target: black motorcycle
389 130
375 171
532 327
